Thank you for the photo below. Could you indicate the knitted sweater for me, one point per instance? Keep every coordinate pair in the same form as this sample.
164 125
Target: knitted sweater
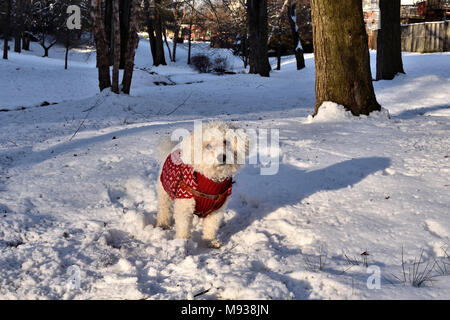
174 170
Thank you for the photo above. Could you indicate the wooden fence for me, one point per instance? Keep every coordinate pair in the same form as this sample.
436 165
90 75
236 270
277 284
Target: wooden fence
420 37
426 37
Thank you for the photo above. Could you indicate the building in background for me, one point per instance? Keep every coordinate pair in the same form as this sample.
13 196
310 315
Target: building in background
371 12
424 10
425 27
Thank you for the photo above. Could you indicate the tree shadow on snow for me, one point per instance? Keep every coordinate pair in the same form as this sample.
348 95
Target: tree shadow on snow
412 113
255 195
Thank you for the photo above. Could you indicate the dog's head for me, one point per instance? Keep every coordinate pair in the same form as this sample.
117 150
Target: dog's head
217 151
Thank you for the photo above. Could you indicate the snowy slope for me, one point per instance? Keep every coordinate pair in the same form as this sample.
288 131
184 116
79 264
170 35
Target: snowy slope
345 185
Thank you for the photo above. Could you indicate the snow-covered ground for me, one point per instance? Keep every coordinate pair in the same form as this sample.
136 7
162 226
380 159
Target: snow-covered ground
83 206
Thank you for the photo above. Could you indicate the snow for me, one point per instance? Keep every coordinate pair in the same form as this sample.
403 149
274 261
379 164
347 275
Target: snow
344 185
333 112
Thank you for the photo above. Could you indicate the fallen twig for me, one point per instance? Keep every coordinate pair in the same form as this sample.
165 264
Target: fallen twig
178 106
202 293
88 110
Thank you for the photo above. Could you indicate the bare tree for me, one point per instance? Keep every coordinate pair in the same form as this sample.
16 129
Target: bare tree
179 12
6 30
257 25
150 28
292 18
116 47
103 46
159 50
191 22
48 20
155 30
101 42
342 56
18 24
133 41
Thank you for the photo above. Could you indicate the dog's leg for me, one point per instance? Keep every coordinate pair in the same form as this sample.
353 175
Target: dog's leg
211 224
184 213
164 217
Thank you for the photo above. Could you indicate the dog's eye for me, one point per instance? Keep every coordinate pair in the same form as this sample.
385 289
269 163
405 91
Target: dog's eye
208 147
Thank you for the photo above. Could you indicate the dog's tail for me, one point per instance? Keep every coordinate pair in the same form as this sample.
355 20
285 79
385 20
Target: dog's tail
165 147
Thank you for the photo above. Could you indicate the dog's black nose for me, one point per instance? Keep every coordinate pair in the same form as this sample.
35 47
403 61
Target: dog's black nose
222 158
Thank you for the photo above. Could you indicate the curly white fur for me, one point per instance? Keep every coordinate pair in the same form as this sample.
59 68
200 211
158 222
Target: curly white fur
219 141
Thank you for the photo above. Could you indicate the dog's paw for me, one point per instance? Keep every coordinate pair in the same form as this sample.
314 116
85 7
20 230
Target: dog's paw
215 244
163 226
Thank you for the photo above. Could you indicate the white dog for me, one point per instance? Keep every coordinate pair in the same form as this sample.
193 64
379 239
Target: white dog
196 178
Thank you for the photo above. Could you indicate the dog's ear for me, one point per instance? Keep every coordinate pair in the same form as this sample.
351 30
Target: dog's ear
187 149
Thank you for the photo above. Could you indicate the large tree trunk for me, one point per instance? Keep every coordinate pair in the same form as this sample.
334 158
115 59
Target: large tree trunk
342 61
101 42
116 47
159 46
125 20
133 40
6 29
389 48
298 49
257 25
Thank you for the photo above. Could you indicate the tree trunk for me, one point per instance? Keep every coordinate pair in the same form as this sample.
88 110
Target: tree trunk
109 31
125 20
189 42
47 48
244 48
150 29
25 25
18 28
133 40
17 42
257 25
6 30
176 33
167 43
389 48
342 61
159 50
279 46
104 78
298 49
26 42
66 58
116 47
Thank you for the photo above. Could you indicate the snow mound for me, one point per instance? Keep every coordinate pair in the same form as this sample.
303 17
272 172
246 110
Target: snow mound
333 112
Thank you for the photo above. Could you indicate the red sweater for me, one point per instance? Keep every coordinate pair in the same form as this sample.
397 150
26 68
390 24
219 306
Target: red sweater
174 170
